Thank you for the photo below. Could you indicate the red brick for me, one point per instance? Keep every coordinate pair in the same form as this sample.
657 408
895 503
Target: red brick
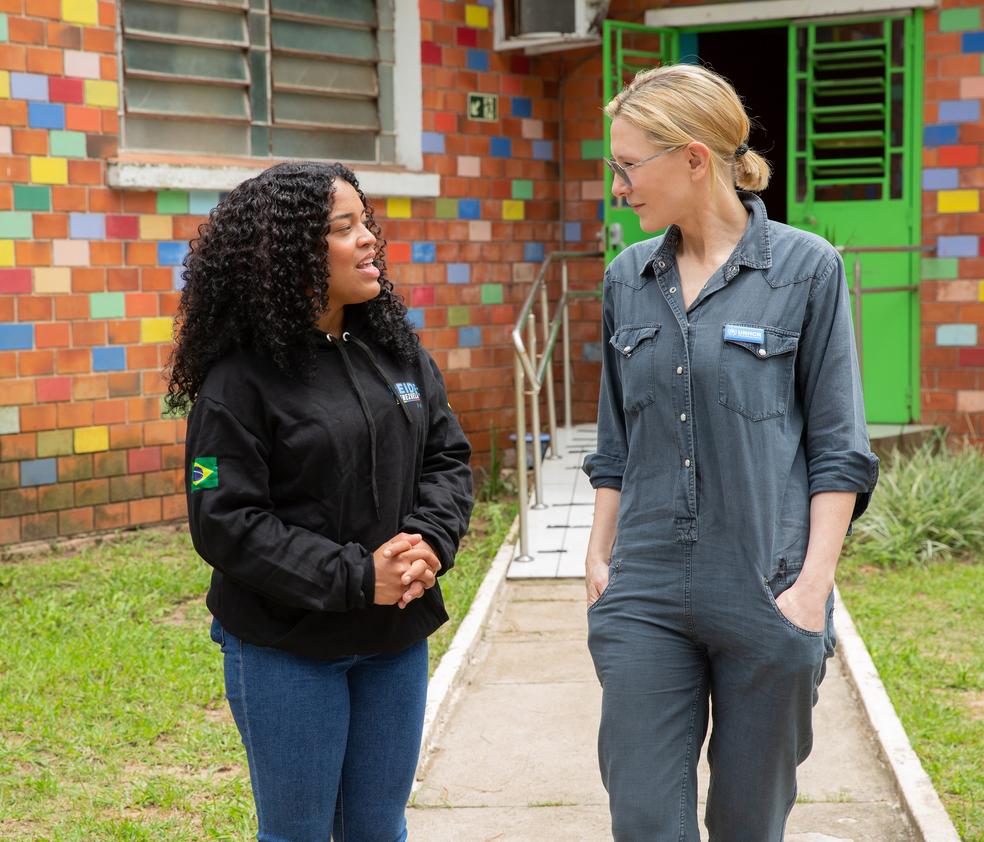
159 280
50 226
13 169
74 521
63 35
51 335
89 333
107 14
13 58
10 532
109 464
85 172
92 492
105 254
109 412
158 483
48 62
972 357
144 459
90 387
54 388
75 467
34 308
145 511
124 383
119 280
124 332
430 53
38 527
141 254
159 432
46 9
29 141
17 392
125 436
139 201
141 305
73 360
25 30
98 40
61 89
76 414
34 363
120 227
109 122
68 198
8 359
55 497
959 156
87 279
110 516
141 356
72 307
18 446
174 507
15 281
102 199
125 488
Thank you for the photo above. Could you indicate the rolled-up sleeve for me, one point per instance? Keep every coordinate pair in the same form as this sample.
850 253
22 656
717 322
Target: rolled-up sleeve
606 466
838 452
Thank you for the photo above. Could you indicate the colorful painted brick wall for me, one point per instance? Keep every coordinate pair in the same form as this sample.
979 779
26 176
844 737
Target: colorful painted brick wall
953 177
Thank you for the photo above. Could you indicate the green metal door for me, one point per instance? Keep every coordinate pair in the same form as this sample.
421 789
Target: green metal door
854 119
627 49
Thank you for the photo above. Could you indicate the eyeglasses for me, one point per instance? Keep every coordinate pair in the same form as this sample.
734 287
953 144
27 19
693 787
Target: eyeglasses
622 172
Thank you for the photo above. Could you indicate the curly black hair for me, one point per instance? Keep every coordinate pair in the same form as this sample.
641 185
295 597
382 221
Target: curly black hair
256 278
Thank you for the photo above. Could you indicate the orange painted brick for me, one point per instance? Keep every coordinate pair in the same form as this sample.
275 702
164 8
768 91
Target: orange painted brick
49 62
152 382
174 507
76 521
141 356
103 200
107 68
12 57
143 409
85 172
145 511
73 360
46 9
6 197
14 169
144 459
156 279
13 112
25 30
51 226
109 412
118 280
10 531
68 198
159 432
72 307
110 516
81 118
6 315
141 305
64 35
19 446
35 363
125 436
105 253
85 279
139 201
142 254
51 335
124 332
109 122
90 387
107 14
169 303
29 253
34 308
959 156
98 40
122 383
75 414
29 141
186 227
89 333
38 417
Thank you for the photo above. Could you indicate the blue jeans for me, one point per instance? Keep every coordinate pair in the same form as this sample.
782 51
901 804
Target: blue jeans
332 745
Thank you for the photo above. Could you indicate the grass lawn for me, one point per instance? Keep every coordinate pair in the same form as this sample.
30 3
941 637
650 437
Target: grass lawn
113 724
924 627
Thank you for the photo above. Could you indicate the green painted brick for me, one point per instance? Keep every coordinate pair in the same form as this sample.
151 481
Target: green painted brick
67 144
593 150
9 419
16 225
55 443
172 201
107 305
957 20
3 28
29 198
446 209
458 316
491 293
940 268
522 188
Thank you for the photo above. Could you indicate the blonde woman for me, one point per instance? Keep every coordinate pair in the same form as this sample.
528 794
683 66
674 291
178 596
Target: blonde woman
732 457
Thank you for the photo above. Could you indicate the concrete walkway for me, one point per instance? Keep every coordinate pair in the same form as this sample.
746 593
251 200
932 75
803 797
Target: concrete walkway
516 759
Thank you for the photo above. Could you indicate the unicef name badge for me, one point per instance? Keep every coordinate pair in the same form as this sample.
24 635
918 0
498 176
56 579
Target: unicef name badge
742 333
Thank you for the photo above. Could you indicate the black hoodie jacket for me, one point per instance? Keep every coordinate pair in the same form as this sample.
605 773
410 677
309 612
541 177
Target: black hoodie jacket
292 486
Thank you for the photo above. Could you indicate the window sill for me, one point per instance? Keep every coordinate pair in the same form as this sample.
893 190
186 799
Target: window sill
184 172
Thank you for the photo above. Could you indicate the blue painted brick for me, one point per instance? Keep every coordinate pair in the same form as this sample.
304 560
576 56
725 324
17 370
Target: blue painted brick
487 3
424 253
38 471
16 337
111 358
940 135
459 273
202 201
533 252
416 317
500 147
45 115
960 111
478 59
972 42
87 226
940 179
469 209
963 246
601 210
522 106
31 86
572 232
469 337
432 142
170 253
543 150
176 274
956 335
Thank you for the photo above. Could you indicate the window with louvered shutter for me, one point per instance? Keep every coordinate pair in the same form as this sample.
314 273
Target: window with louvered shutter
281 78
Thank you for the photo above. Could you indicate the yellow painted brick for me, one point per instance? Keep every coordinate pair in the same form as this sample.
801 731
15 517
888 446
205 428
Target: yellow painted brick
398 208
5 84
156 330
513 209
81 11
477 16
52 279
91 439
49 170
6 252
154 227
980 290
98 92
958 201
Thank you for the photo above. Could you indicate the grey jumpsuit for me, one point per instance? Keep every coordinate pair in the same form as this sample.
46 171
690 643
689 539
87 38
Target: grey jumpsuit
718 423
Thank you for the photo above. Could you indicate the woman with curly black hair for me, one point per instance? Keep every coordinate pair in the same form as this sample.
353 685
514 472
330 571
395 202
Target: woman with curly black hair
328 487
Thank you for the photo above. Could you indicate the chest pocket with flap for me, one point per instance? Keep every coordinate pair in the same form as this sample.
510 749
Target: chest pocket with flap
635 346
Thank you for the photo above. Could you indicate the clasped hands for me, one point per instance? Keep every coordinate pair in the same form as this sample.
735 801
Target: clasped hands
406 566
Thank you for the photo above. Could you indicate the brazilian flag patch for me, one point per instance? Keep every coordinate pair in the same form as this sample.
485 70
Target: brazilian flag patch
204 472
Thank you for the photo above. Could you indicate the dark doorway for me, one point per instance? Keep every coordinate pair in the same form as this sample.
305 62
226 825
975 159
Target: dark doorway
755 61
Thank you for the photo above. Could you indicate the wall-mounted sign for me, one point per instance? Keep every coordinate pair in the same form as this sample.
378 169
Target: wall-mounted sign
483 107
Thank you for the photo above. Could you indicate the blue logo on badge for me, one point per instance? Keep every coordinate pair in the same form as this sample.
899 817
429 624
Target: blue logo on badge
408 392
741 333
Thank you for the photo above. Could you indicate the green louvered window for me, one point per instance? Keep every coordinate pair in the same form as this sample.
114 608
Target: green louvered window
281 78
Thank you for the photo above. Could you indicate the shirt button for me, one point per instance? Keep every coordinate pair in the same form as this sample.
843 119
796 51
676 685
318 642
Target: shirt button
672 289
732 270
686 463
762 352
679 369
683 416
661 265
626 349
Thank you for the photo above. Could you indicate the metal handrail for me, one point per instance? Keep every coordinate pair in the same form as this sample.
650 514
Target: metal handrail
534 367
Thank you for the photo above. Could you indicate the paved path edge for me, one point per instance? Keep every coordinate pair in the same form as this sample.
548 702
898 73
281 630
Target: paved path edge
919 798
444 684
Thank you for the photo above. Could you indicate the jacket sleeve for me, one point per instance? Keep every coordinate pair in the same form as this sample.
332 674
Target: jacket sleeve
606 466
838 453
235 529
444 495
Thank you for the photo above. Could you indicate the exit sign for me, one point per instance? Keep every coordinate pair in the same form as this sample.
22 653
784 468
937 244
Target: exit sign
483 107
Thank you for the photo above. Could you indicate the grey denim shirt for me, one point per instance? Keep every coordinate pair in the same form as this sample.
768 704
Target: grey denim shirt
720 422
